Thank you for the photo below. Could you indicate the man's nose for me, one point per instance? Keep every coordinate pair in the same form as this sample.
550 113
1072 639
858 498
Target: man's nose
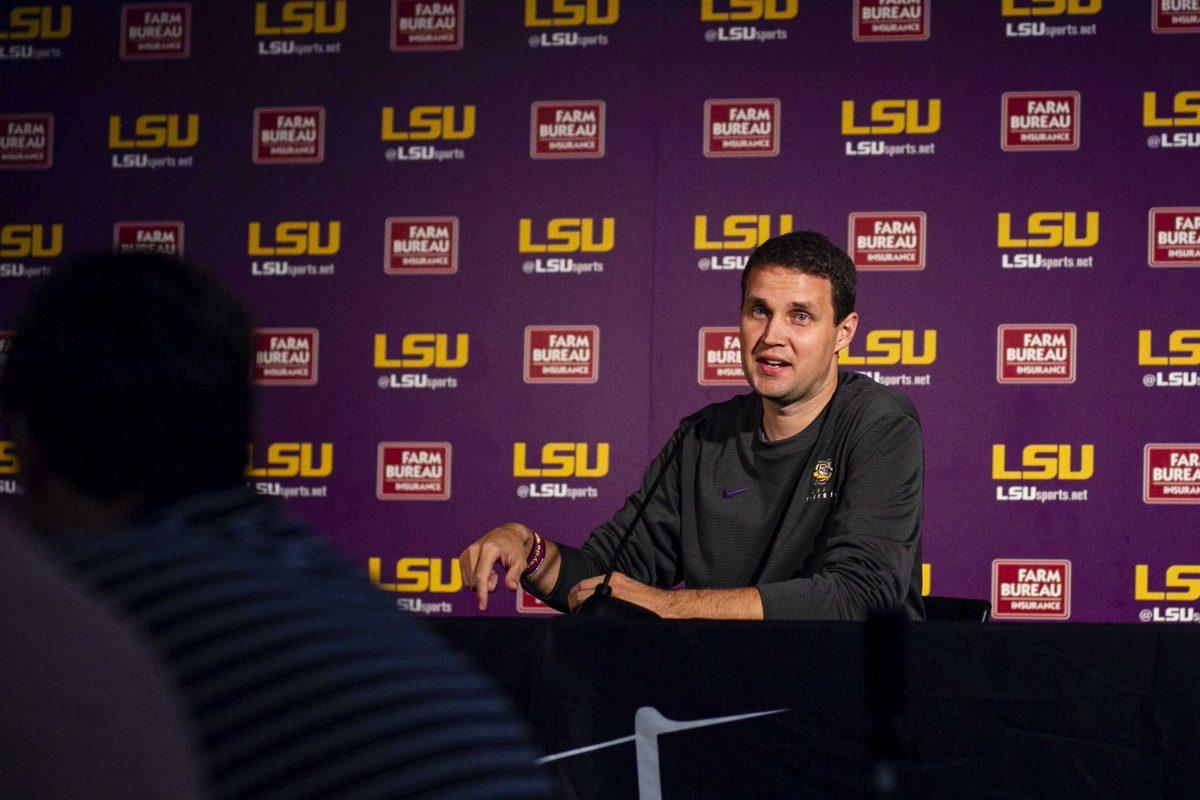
773 333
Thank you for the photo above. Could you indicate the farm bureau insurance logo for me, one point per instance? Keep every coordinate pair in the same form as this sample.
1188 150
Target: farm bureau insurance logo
147 134
156 30
1183 350
566 129
413 471
298 18
902 117
28 24
436 576
293 135
1056 230
1180 584
1043 462
1175 237
1175 16
285 356
1184 113
768 12
428 124
887 240
308 238
738 232
1035 353
563 235
541 14
161 238
741 128
1034 13
560 460
420 246
562 353
890 20
22 245
26 141
419 353
302 462
423 25
1171 473
1039 121
719 361
1031 589
893 348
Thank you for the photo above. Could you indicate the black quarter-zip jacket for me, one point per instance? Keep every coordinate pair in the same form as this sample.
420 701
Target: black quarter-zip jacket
826 523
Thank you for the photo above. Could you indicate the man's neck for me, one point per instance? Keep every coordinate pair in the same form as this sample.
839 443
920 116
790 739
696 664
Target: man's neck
780 422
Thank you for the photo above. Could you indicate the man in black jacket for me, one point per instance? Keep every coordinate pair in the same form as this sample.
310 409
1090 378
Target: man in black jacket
799 500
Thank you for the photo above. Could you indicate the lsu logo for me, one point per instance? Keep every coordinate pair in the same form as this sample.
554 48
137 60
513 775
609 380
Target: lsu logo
748 10
428 123
568 235
1049 8
1045 462
413 471
31 241
1183 349
419 575
26 23
423 350
889 347
561 460
296 238
9 463
1185 111
1171 473
291 460
1050 229
570 13
893 117
926 579
301 17
152 131
1182 583
739 231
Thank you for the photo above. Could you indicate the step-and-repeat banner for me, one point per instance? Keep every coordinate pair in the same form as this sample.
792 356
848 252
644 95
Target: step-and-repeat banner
493 250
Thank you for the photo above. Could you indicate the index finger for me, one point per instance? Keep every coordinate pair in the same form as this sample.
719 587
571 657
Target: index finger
487 558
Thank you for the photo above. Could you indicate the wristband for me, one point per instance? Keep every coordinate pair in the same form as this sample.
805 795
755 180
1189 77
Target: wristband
536 556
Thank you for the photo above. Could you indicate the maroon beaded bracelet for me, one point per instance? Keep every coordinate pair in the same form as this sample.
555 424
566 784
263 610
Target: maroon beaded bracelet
536 556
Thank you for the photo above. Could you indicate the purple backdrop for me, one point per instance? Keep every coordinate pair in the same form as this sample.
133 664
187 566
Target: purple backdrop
458 145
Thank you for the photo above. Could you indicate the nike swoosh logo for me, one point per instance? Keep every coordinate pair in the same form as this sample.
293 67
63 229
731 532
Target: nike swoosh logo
728 494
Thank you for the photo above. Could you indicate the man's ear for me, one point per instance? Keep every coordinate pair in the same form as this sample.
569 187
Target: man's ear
845 331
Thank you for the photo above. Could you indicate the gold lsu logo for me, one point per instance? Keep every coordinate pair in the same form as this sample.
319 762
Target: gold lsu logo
419 350
427 123
1045 462
30 241
568 235
893 116
885 347
291 460
153 131
740 231
1184 578
301 17
9 463
26 23
418 575
1049 229
1049 8
570 13
561 460
748 10
1183 347
295 238
1185 108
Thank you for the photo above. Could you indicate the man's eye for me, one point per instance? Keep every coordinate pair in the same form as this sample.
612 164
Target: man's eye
758 311
802 316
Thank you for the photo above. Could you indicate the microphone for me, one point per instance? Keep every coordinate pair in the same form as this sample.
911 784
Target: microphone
602 603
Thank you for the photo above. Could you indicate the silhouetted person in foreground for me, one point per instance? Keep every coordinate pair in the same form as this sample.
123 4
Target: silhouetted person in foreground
127 391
